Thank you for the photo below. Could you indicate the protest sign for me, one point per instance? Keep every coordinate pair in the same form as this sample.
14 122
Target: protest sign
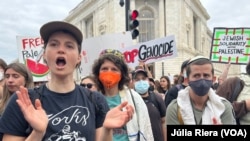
30 50
151 51
92 47
230 45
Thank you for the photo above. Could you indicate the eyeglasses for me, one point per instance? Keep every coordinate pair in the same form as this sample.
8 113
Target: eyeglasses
88 85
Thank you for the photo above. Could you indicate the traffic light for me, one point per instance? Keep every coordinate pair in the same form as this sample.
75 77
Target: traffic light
133 23
121 3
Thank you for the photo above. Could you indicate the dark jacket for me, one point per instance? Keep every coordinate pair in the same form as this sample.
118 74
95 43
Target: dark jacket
226 90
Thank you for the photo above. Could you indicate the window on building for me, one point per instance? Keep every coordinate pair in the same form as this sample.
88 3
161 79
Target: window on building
195 32
188 38
89 27
202 44
147 26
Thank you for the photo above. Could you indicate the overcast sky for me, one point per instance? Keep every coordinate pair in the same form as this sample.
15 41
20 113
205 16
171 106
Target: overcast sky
24 18
227 13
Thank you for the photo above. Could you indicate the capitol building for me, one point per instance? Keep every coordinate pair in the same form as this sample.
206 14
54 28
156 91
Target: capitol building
185 19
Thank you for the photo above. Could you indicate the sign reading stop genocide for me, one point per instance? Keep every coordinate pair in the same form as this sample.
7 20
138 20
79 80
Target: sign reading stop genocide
150 51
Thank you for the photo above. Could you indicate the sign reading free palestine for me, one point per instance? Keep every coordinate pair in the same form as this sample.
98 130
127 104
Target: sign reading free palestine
230 45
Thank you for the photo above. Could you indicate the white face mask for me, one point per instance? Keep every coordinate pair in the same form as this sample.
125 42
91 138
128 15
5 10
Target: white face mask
1 75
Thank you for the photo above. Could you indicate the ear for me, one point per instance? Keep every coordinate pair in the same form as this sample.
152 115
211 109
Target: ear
79 59
214 78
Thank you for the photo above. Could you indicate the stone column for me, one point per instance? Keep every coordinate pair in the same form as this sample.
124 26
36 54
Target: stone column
83 28
161 19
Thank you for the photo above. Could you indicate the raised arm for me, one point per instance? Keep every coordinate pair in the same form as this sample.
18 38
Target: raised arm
224 74
35 116
145 66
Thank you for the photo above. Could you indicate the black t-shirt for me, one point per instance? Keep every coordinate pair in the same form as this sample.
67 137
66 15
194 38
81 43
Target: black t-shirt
71 115
156 112
173 93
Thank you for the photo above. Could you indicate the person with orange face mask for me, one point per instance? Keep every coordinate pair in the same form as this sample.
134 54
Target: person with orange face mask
113 79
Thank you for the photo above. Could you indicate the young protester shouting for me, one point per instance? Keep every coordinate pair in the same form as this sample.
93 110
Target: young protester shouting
63 111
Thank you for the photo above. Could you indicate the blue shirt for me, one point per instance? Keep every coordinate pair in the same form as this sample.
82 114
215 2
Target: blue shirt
119 134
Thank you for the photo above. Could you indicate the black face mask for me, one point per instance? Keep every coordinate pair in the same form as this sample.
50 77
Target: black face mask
201 87
151 88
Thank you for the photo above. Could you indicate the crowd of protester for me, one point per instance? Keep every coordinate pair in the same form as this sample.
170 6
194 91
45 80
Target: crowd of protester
116 102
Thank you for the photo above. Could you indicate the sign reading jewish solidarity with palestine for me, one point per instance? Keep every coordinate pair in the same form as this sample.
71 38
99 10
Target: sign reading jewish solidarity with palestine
151 51
30 50
231 45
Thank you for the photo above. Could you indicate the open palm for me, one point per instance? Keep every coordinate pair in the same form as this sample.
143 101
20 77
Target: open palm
119 116
34 115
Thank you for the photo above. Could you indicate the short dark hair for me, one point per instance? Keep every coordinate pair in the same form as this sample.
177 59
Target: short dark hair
184 65
201 61
151 80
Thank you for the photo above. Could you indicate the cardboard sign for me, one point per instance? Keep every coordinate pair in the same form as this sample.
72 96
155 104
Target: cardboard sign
230 45
30 50
151 51
92 47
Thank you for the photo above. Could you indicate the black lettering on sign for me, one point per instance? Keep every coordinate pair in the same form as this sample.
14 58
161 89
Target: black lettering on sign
155 51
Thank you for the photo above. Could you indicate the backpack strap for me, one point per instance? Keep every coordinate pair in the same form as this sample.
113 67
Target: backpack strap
153 99
36 93
132 98
91 97
138 134
179 115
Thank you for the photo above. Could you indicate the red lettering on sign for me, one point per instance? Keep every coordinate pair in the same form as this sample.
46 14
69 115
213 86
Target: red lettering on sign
32 42
130 55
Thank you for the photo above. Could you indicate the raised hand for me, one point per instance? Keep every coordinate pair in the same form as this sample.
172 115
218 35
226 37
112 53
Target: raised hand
119 116
35 116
